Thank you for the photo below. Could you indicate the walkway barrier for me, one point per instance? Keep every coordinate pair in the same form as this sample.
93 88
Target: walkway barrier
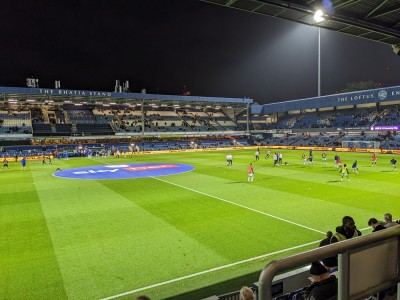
367 265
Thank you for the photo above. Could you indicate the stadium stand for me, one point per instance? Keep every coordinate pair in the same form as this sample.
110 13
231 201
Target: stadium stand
291 125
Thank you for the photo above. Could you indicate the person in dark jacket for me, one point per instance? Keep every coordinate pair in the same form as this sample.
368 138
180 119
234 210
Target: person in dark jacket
347 231
376 226
327 240
324 286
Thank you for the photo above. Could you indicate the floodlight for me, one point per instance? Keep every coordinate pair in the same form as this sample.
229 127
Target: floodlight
319 16
396 49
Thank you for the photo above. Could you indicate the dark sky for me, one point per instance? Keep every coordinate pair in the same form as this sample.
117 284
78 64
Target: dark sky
162 45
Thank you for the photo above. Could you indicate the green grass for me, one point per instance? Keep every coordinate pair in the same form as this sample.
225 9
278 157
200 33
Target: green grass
207 231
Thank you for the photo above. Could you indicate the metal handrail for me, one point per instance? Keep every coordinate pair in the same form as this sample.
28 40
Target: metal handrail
342 249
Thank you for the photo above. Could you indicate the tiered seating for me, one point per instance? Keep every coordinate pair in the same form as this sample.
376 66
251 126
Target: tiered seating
223 121
86 123
393 143
163 119
104 116
42 129
81 116
37 115
389 116
258 123
328 119
94 129
15 122
60 117
64 129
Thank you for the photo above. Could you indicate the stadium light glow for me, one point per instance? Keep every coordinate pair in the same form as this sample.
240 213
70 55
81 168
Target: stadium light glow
319 16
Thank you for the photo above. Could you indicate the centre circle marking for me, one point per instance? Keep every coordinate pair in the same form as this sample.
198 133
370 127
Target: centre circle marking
124 171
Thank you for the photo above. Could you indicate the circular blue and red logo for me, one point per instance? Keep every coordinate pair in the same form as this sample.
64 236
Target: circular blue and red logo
124 171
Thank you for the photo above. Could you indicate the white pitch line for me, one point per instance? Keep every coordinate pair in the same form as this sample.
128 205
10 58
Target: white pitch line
233 203
220 267
242 206
181 186
208 271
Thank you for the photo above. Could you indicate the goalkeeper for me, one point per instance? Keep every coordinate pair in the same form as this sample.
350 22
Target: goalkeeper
345 172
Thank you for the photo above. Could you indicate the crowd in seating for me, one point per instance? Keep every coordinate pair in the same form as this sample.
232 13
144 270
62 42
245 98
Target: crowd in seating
70 119
15 122
324 274
82 149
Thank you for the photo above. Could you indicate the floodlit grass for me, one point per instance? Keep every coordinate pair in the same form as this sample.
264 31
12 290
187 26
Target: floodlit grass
167 236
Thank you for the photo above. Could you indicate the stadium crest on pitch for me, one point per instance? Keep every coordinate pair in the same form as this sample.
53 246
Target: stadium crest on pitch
124 171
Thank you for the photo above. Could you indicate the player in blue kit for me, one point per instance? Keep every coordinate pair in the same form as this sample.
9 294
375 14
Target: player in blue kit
23 163
393 162
354 167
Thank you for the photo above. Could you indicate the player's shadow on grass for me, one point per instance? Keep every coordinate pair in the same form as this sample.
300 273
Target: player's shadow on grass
387 171
333 181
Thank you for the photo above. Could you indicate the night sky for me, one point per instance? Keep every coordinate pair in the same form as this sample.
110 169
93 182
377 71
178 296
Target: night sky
164 45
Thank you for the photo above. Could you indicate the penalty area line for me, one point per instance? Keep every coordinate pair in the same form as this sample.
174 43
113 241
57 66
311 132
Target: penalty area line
208 271
242 206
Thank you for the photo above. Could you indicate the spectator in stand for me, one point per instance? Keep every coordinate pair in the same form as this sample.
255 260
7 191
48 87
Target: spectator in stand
327 240
347 231
389 221
246 293
331 264
323 287
143 298
376 226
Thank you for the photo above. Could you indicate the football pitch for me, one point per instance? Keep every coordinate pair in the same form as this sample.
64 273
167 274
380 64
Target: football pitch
183 236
